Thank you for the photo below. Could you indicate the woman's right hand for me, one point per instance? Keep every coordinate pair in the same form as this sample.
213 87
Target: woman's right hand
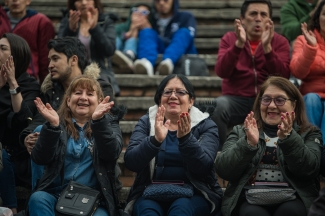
74 20
47 112
251 130
309 35
161 129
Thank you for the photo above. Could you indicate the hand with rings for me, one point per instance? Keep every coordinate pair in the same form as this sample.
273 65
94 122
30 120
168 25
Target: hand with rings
285 127
251 130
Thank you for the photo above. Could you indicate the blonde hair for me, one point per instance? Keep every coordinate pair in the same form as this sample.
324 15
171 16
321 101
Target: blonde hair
64 111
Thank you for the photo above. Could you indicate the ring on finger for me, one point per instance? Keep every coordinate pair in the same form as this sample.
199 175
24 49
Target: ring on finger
246 129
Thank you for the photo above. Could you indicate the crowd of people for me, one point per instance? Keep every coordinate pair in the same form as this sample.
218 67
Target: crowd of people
60 122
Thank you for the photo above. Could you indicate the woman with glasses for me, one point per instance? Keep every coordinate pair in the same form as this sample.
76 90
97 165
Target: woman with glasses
275 146
308 65
176 143
127 35
86 20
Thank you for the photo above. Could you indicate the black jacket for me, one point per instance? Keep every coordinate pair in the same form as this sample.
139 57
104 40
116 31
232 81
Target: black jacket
11 123
198 149
50 151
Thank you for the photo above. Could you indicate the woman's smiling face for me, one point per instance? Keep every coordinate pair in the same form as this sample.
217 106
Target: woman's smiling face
271 114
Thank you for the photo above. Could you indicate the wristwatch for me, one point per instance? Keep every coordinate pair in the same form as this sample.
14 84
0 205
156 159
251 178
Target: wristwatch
15 91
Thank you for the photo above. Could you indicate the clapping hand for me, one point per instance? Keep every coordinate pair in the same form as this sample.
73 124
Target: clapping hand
74 20
102 108
240 34
309 35
47 112
161 128
285 127
184 124
7 72
251 130
92 17
267 36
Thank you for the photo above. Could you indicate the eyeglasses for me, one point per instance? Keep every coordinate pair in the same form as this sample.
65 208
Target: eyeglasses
178 93
142 12
279 101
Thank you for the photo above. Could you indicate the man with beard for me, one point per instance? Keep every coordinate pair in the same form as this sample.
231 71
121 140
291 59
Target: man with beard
67 60
246 58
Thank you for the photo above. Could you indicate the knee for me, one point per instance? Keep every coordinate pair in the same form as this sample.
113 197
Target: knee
312 98
38 197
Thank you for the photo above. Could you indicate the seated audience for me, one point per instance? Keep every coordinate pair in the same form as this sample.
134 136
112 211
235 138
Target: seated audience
293 13
246 58
127 35
34 27
18 90
85 133
174 141
275 145
171 34
308 65
95 29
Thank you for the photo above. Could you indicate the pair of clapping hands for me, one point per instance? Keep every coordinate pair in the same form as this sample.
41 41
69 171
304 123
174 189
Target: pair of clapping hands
161 128
52 117
7 72
252 133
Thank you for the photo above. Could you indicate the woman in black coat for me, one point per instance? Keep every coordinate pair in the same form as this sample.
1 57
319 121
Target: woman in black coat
18 90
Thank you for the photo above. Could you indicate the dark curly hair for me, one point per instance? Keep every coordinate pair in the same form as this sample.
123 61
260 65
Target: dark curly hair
314 21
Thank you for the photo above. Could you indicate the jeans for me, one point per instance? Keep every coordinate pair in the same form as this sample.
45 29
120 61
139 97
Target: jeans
315 110
7 182
37 172
42 203
150 45
194 206
129 44
230 111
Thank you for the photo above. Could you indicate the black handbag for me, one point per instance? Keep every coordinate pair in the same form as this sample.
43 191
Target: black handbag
77 199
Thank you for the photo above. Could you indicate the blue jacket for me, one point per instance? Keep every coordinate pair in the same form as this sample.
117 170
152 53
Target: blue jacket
198 149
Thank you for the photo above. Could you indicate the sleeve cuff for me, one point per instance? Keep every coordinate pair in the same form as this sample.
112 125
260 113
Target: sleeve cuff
154 141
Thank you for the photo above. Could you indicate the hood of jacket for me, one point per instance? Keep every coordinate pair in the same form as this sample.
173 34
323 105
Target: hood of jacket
91 70
303 2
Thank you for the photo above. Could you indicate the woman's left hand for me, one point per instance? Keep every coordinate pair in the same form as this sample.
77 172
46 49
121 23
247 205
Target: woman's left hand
285 127
102 108
92 16
184 124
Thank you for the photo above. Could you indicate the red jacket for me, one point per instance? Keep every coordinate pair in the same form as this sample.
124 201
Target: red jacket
37 30
242 72
308 64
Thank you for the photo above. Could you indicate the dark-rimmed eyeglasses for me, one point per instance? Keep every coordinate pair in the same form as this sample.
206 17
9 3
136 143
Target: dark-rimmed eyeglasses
142 12
178 93
279 101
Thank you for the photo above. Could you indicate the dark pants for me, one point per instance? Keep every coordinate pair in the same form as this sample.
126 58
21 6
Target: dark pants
230 111
293 208
7 182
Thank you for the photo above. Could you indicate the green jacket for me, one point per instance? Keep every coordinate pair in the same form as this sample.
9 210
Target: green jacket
298 155
292 14
124 27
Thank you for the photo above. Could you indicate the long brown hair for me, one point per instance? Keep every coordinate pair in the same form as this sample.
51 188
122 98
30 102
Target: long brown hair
64 111
293 94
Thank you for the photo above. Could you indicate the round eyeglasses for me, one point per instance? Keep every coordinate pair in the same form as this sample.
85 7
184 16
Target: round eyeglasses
178 93
279 101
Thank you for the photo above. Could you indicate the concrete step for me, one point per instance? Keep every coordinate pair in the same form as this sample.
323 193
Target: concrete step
183 3
54 12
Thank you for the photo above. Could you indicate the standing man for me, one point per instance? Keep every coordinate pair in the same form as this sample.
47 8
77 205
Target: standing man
34 27
246 58
172 35
295 12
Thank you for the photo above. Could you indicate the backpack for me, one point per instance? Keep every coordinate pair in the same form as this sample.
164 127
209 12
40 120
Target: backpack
191 65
